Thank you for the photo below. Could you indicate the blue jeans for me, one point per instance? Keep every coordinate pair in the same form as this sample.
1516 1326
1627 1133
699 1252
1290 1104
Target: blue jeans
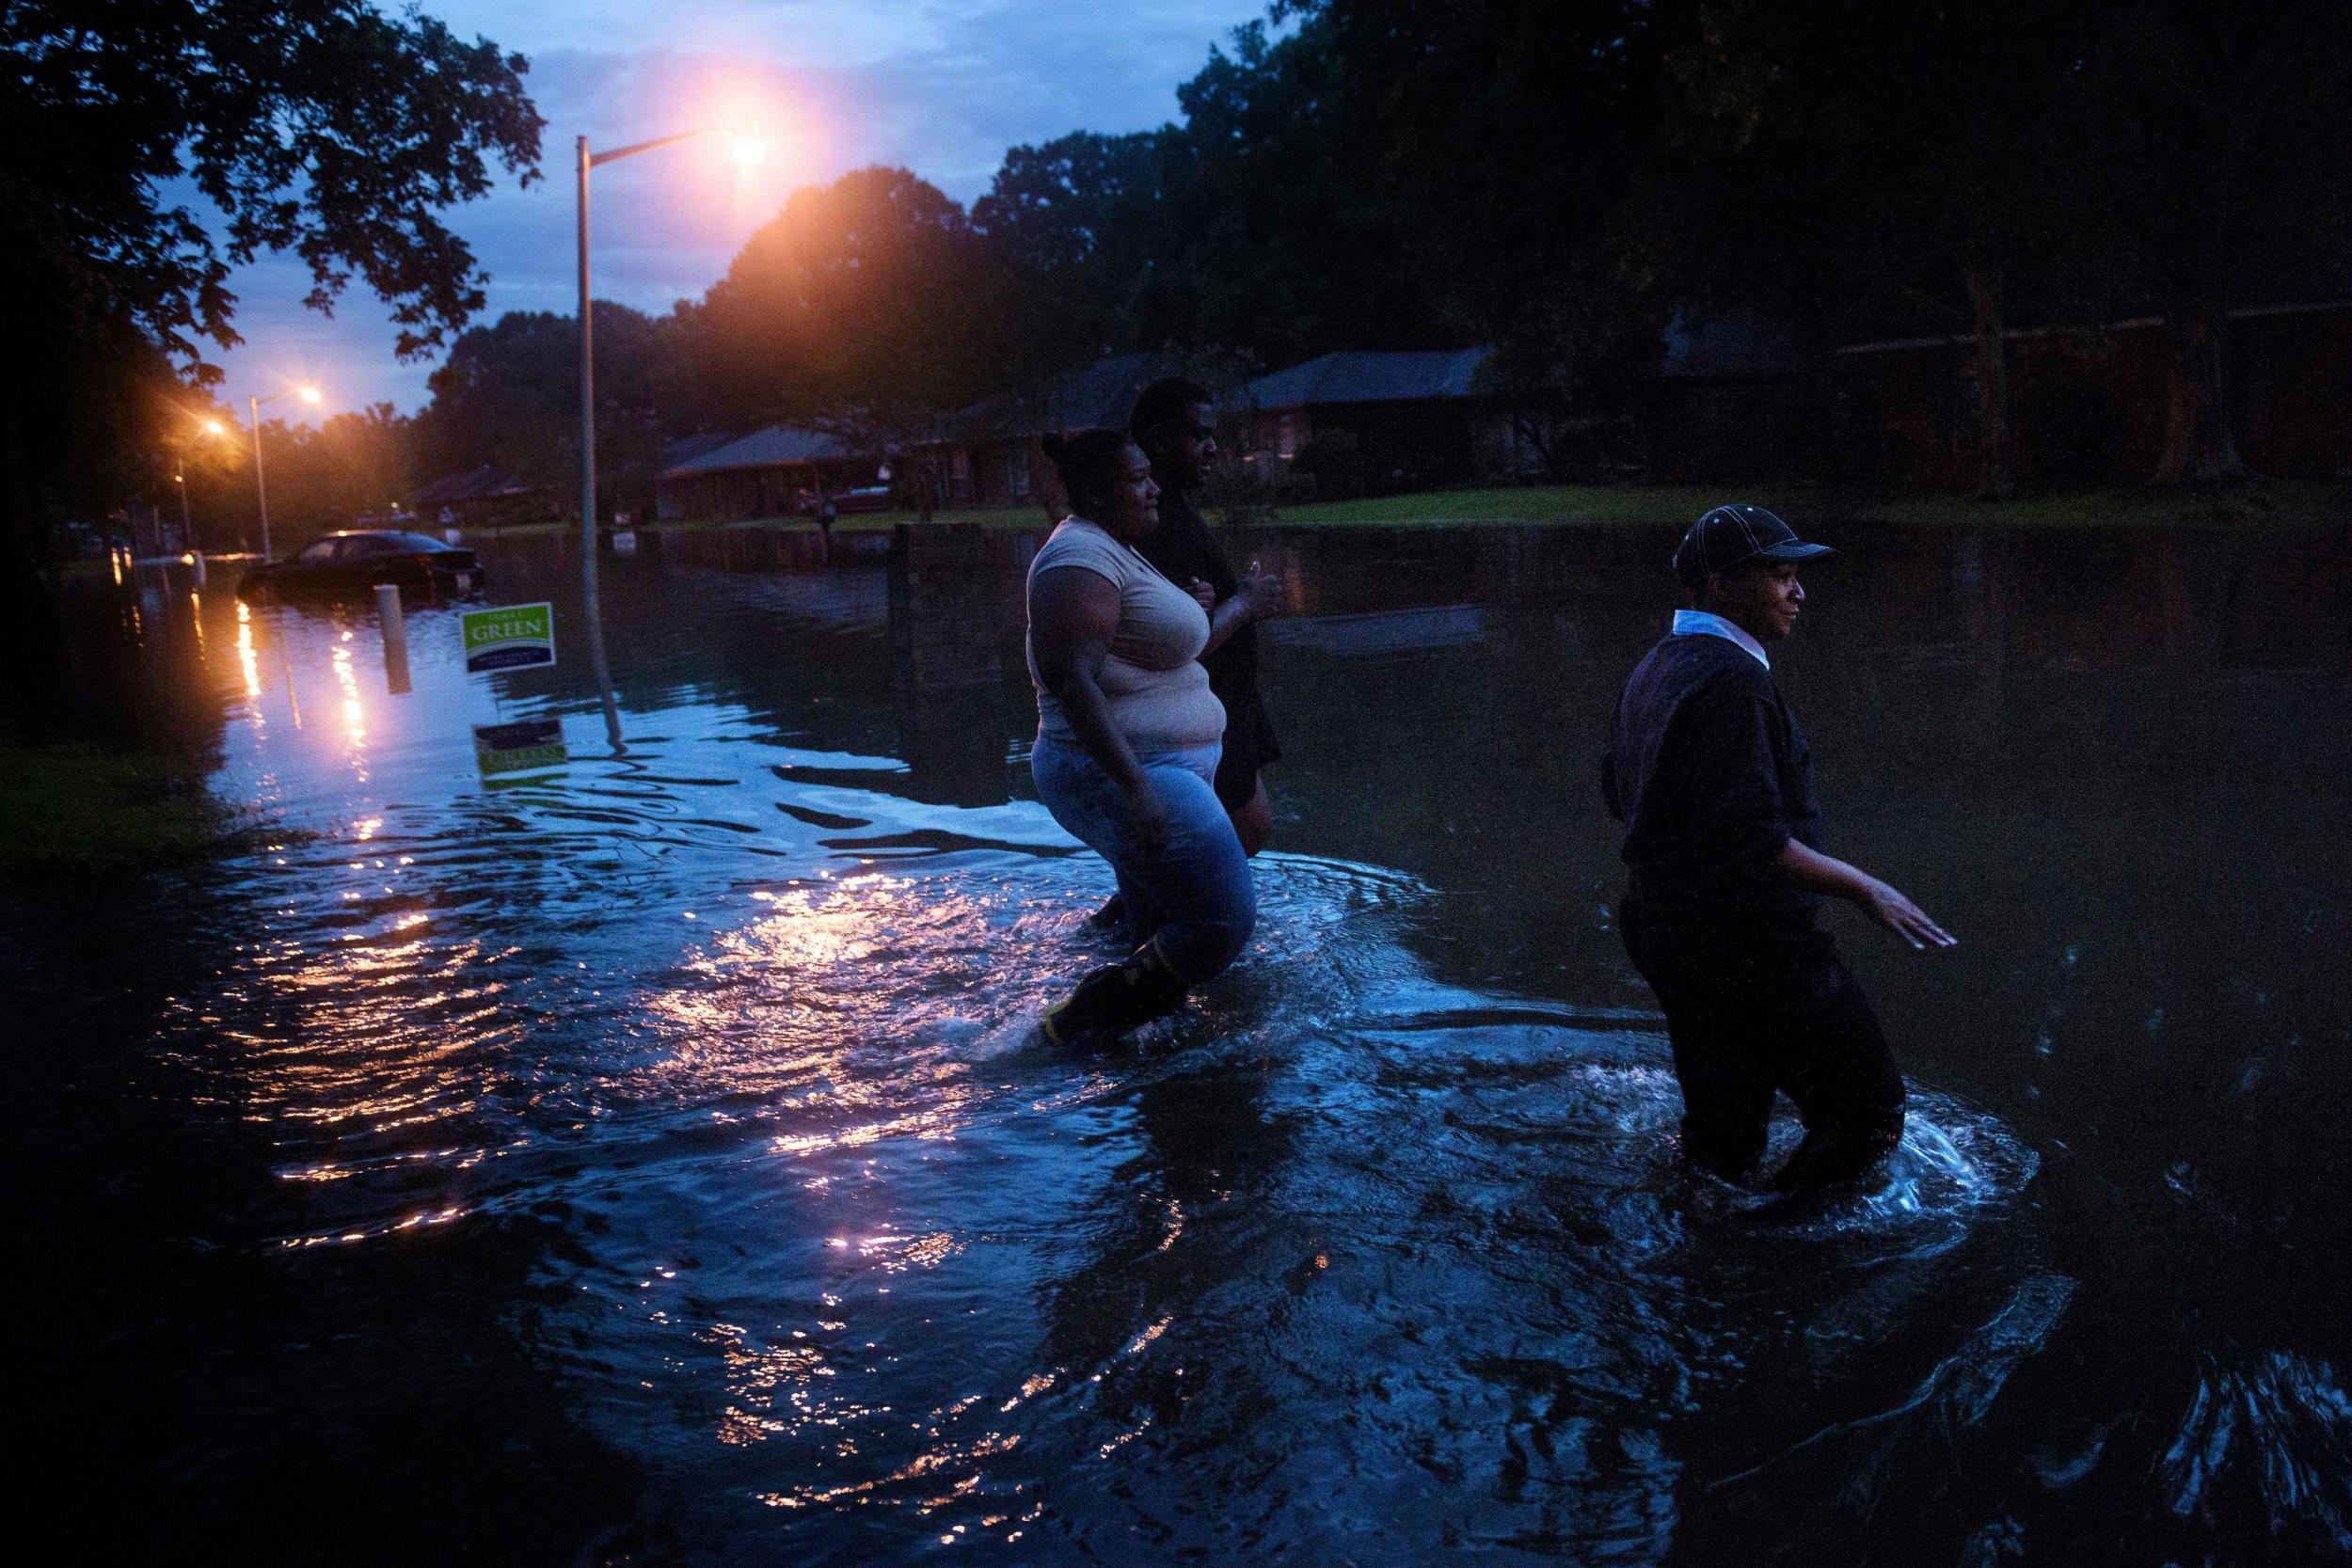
1193 899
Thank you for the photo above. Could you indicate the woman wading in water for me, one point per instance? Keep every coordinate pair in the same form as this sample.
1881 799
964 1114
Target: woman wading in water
1128 739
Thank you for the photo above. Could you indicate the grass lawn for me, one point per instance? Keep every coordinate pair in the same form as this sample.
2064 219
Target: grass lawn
76 811
2290 503
867 522
2279 502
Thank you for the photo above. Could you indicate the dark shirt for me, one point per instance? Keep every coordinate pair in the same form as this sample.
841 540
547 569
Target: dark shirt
1184 548
1711 778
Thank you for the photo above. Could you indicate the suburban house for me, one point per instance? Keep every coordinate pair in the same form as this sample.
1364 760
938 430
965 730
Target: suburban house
764 474
1722 403
2086 405
1358 421
988 455
485 496
2089 407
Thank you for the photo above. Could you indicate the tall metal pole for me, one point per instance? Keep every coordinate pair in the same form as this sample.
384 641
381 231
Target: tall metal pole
588 476
260 489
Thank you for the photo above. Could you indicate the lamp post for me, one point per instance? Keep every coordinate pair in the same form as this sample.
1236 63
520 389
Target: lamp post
747 151
260 490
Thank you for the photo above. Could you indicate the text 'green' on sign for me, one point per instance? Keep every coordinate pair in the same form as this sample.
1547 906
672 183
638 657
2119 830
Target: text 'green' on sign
513 636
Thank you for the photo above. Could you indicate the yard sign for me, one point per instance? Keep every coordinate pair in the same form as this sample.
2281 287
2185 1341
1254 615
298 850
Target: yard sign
516 637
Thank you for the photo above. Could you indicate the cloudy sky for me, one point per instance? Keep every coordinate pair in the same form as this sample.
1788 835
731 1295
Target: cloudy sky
942 87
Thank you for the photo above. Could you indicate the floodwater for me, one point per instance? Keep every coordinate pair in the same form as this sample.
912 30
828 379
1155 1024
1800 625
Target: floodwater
647 1158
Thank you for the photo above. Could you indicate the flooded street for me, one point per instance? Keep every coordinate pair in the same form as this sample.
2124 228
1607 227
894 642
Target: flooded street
648 1158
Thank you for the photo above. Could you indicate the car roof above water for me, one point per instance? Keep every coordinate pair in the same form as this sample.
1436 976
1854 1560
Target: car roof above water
400 537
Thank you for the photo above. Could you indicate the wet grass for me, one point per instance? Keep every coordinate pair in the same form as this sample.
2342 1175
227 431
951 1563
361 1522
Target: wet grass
75 810
2300 503
2279 502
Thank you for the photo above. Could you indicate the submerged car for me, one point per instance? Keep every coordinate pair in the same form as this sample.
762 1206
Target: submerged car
353 563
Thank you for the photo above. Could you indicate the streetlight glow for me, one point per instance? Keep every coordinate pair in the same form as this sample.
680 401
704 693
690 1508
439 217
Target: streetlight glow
748 150
260 487
214 427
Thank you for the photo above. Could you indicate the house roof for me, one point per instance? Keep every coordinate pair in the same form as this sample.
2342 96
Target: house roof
1735 343
768 447
687 447
1406 375
1103 395
483 483
1100 397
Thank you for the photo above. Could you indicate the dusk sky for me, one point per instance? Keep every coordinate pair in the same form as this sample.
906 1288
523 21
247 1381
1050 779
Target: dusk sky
941 87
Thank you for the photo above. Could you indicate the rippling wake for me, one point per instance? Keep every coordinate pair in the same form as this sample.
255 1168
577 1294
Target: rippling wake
1342 1246
1342 1264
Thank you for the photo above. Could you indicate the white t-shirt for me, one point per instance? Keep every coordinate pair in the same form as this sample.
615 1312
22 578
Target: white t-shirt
1157 689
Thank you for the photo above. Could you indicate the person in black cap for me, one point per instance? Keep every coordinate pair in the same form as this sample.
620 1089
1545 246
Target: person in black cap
1725 876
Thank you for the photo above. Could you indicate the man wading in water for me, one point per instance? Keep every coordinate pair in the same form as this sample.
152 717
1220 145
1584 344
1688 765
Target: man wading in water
1725 876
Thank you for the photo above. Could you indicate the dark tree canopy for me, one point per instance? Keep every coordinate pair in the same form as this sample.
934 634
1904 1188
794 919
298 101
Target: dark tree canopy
870 305
146 147
323 127
509 395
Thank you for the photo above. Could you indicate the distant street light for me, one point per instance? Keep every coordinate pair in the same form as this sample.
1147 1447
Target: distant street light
208 427
260 490
748 150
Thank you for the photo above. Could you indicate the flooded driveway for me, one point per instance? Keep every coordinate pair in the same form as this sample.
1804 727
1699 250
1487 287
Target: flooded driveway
647 1158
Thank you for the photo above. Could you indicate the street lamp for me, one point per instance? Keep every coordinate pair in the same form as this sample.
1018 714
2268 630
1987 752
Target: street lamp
748 150
260 490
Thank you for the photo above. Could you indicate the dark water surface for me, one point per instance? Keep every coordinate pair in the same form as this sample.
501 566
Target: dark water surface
647 1159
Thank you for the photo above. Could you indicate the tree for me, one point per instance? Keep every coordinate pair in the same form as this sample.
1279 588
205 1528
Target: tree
1884 162
869 307
1511 139
2226 138
1081 220
322 126
1287 233
509 395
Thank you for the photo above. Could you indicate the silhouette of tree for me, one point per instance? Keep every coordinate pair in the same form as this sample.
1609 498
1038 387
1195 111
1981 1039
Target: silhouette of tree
509 395
2225 136
869 307
149 146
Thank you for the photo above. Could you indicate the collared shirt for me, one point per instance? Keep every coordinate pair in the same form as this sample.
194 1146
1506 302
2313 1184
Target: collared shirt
1700 623
1712 778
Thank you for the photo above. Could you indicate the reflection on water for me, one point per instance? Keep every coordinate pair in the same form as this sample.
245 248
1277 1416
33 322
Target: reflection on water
648 1157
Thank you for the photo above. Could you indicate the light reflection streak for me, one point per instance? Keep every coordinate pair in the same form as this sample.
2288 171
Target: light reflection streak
248 662
343 1238
285 663
788 1005
921 1464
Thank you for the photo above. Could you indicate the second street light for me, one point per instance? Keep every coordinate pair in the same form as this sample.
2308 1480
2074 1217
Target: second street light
747 151
260 489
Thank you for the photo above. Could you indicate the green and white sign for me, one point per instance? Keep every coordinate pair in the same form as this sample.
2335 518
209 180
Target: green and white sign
515 636
521 747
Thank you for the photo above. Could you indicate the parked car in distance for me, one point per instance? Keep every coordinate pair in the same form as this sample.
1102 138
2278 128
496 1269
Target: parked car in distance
353 563
866 497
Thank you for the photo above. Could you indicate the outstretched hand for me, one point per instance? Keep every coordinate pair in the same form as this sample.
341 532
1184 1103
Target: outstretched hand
1262 591
1904 918
1203 594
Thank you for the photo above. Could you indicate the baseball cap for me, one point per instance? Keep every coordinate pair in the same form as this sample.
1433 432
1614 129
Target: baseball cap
1728 535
